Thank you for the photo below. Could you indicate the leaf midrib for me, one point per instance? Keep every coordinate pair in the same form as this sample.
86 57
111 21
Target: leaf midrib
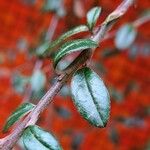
39 139
88 87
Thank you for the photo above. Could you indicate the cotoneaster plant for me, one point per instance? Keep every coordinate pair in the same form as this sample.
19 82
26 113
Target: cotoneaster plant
88 90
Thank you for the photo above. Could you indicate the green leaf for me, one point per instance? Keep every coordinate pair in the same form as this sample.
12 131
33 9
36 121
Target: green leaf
116 95
52 5
19 82
46 48
38 80
73 46
91 97
55 6
125 36
111 18
35 138
20 112
92 17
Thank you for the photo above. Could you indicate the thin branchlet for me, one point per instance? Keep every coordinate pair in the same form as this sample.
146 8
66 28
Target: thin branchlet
9 141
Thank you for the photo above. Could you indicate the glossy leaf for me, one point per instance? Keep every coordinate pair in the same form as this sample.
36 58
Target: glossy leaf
92 17
20 112
91 97
38 80
73 46
125 36
35 138
46 48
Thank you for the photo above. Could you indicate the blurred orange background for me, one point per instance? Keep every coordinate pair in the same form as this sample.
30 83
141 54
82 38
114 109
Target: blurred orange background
24 25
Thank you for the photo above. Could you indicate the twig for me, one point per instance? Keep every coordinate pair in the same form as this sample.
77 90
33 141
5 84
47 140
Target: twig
38 64
52 28
137 23
8 142
141 21
49 37
28 90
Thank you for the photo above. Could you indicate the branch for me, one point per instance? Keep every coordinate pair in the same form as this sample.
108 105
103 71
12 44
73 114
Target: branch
141 21
52 28
38 64
8 142
28 91
137 23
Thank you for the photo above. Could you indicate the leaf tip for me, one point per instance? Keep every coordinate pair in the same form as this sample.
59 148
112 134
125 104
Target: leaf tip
92 17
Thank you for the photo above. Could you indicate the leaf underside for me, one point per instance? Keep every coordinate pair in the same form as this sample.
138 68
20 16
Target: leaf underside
125 36
35 138
91 97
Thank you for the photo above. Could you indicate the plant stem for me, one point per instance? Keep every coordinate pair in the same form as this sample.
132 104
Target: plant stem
8 142
28 91
141 21
38 64
52 28
137 23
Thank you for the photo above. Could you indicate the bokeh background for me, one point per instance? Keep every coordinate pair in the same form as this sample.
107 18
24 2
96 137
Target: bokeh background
25 24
